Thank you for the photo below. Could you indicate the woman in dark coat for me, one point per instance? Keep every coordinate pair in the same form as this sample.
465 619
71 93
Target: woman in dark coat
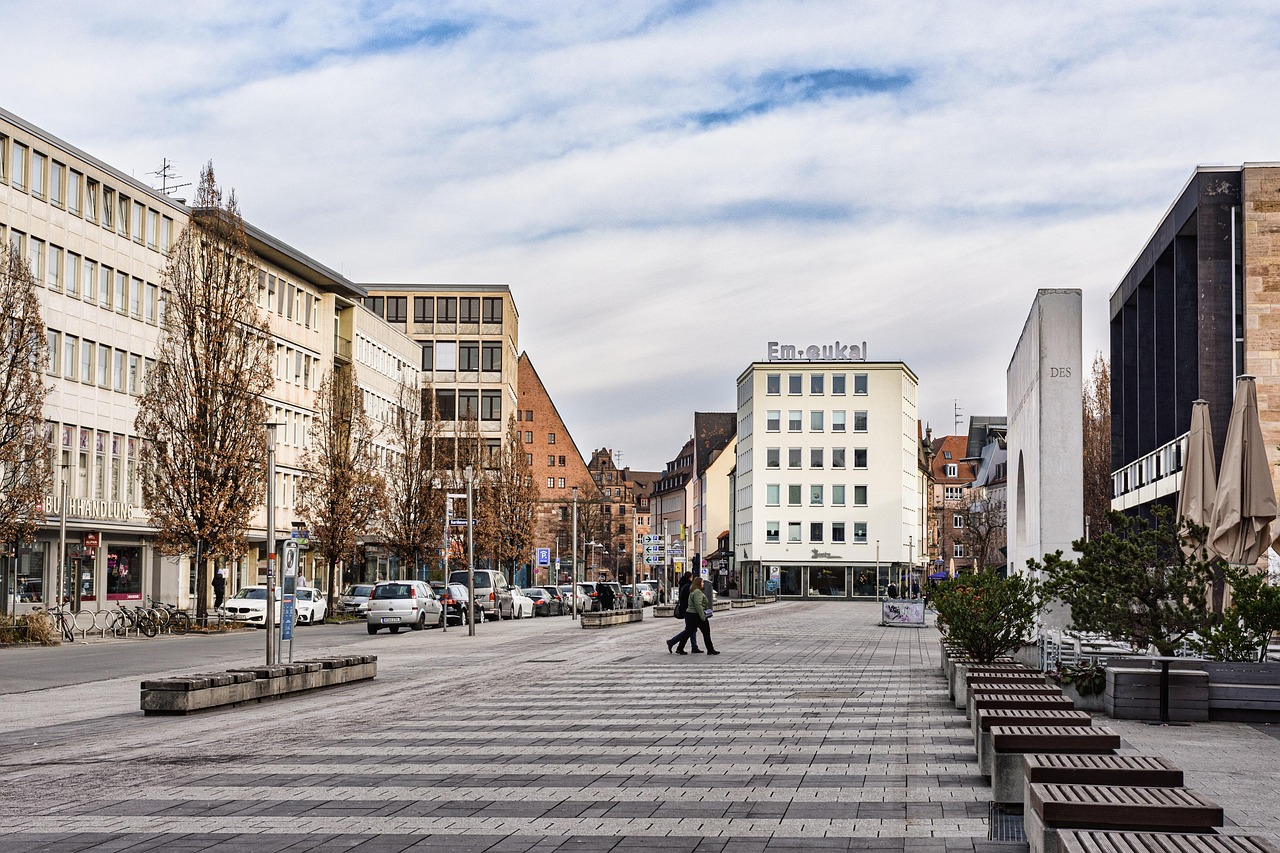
690 632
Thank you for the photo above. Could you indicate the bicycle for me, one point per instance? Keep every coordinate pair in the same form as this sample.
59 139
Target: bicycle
124 619
63 620
172 619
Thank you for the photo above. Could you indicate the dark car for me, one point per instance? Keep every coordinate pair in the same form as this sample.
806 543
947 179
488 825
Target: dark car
543 603
562 602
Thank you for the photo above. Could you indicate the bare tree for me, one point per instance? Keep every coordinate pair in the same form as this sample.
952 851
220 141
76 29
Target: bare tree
512 501
985 520
25 473
414 515
201 414
343 492
1097 447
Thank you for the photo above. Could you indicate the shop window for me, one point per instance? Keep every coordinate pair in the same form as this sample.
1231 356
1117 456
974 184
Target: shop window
124 573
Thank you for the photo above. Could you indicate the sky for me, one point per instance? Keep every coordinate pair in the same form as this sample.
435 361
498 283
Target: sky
668 186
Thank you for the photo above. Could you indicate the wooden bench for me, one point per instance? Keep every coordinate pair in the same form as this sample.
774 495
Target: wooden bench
1244 692
1009 701
1053 807
950 660
1134 694
1005 717
1131 771
1101 841
1011 744
969 676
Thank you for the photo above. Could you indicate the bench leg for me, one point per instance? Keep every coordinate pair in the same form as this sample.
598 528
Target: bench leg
1040 838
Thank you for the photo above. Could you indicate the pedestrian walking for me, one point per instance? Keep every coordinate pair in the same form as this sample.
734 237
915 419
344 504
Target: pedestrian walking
893 589
915 589
690 631
219 589
700 608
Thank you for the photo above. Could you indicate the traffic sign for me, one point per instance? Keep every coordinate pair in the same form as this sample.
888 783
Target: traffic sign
651 560
544 556
458 522
676 551
653 549
652 538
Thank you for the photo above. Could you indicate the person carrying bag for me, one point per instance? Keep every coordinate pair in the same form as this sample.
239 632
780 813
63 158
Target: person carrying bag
700 610
690 632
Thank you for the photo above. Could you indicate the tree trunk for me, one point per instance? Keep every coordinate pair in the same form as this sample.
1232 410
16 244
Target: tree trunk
202 584
1219 589
333 576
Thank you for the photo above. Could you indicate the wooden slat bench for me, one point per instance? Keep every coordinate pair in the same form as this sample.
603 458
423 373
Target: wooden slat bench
1100 841
1131 771
1053 807
1010 744
952 660
966 680
1004 717
1006 701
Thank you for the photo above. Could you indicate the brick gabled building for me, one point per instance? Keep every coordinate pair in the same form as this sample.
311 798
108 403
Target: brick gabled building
557 467
953 473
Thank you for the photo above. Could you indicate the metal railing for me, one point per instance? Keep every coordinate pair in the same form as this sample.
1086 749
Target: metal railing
1157 466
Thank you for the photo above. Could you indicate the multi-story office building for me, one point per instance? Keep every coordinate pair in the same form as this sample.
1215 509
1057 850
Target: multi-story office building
1195 310
827 485
468 339
97 241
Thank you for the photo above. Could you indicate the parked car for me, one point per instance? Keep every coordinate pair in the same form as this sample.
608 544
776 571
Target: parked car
454 601
312 606
648 593
402 604
249 605
561 600
567 593
587 589
493 593
354 600
544 603
521 604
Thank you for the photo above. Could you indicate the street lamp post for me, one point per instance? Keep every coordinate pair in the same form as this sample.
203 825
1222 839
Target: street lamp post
470 474
62 543
271 544
449 498
574 582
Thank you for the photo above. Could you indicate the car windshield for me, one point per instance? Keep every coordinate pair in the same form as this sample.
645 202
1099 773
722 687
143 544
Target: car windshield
252 593
358 591
481 579
535 593
392 590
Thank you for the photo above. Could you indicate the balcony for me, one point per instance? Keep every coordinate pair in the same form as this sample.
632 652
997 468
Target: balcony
1153 476
341 349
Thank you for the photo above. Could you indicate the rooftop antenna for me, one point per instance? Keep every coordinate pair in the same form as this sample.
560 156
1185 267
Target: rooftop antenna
958 419
617 459
167 175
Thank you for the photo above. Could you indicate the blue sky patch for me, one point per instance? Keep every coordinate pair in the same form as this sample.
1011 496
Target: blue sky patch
776 90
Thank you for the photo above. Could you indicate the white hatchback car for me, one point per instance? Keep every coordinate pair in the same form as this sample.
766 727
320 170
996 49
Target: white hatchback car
403 604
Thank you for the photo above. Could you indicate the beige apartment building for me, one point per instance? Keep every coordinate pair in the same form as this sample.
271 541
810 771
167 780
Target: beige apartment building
97 241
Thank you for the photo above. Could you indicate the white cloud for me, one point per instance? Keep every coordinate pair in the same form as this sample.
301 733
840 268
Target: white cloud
556 147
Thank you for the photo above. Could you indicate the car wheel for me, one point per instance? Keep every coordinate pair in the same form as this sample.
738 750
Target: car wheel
320 621
373 629
395 629
440 623
421 623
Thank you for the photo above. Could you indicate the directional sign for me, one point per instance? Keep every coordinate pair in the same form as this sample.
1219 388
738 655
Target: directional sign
653 538
675 551
653 549
650 560
458 522
544 556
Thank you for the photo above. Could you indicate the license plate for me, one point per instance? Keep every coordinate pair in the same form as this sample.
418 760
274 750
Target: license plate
386 619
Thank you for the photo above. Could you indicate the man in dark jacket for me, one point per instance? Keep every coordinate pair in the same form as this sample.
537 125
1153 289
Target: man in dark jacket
219 589
606 596
682 605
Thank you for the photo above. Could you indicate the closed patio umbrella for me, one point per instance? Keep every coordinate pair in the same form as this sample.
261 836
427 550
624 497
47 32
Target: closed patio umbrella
1245 503
1199 482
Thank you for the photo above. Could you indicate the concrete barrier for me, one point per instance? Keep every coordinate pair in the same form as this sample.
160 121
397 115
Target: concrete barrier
609 618
192 693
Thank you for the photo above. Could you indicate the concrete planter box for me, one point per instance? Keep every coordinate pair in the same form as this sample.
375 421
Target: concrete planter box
1092 702
1134 694
664 611
254 684
742 602
766 599
1243 692
609 618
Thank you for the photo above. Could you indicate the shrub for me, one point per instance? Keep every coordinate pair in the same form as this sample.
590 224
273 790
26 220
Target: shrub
986 614
1089 677
28 628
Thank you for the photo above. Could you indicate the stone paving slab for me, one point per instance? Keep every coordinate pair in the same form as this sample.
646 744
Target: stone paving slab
816 729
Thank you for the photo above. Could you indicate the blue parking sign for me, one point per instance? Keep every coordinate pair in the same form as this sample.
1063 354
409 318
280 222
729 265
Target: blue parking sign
544 556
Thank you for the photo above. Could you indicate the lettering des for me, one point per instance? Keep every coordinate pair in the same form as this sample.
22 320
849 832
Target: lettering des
812 352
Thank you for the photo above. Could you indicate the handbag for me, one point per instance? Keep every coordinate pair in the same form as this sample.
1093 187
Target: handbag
679 611
708 613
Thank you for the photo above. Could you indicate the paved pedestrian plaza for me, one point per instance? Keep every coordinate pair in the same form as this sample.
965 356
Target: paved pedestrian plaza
815 729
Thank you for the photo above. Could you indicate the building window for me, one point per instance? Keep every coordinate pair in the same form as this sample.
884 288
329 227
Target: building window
561 458
793 495
551 460
773 420
492 309
815 421
952 493
793 531
490 405
859 495
70 356
104 365
771 532
491 356
560 482
468 405
149 305
837 494
57 175
772 494
528 415
469 356
528 459
815 495
397 309
19 170
952 470
860 383
815 531
957 521
166 233
54 345
447 309
35 257
773 383
795 420
551 482
859 421
446 355
133 373
859 457
37 174
53 272
837 457
837 421
446 404
423 309
771 457
469 309
816 383
153 229
793 457
837 533
86 362
815 457
551 438
957 549
136 223
860 532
